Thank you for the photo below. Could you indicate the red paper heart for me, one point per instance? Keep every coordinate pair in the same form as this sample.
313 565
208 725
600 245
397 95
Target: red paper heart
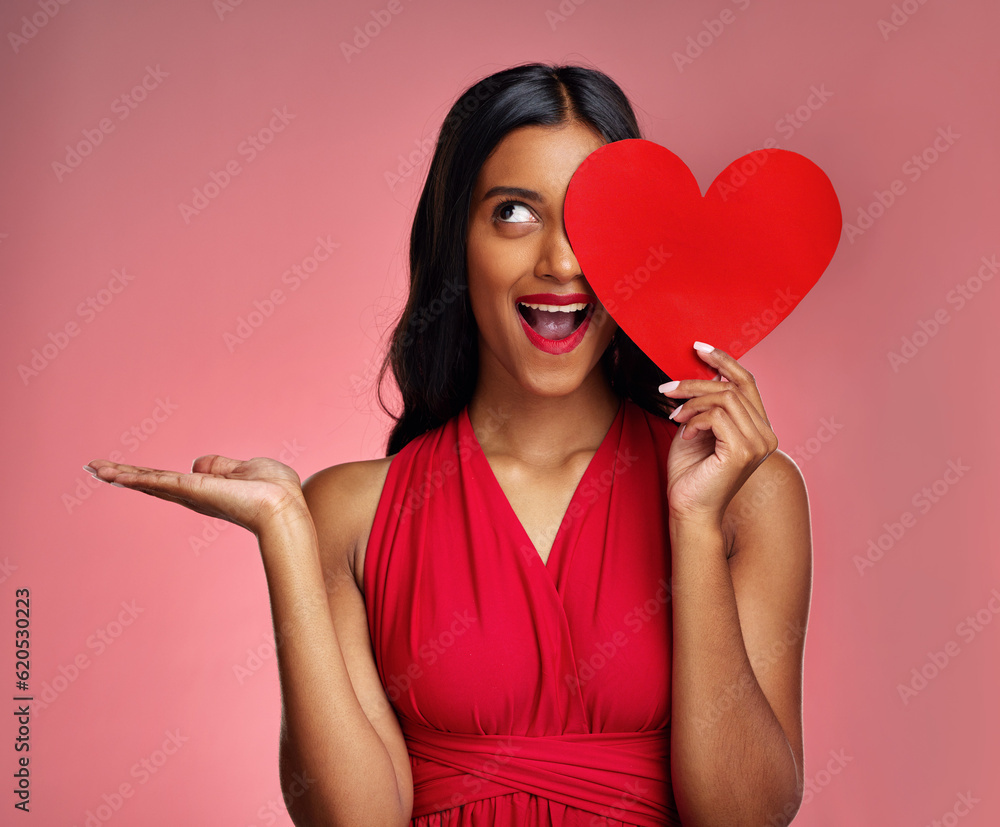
673 267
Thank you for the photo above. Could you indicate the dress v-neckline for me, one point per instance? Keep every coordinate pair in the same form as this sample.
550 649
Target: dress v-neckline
479 457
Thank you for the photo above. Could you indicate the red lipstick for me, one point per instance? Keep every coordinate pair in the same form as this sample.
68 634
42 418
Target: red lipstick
557 346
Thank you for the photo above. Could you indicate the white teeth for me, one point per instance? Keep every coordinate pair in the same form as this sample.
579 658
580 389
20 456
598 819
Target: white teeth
557 308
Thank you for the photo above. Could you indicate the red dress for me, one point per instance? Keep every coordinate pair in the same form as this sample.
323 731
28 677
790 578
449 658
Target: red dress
529 692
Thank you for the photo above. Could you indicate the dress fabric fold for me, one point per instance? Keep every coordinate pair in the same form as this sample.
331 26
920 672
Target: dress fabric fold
529 692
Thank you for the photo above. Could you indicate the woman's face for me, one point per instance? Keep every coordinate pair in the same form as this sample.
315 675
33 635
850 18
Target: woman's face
539 322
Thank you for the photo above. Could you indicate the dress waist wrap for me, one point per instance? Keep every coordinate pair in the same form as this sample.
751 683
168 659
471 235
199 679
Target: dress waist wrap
615 775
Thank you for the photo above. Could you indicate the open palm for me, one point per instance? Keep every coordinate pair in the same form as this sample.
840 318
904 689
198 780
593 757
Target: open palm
248 493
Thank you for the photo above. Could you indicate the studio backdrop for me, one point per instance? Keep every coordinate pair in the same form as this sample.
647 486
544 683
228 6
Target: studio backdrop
203 233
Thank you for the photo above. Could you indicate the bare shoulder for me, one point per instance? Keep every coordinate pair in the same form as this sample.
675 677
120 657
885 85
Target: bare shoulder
773 502
342 500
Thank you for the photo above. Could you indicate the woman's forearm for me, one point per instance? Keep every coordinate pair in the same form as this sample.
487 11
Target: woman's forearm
335 769
731 762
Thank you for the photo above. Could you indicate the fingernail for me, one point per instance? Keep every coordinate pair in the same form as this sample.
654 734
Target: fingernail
666 387
703 347
675 411
117 485
90 470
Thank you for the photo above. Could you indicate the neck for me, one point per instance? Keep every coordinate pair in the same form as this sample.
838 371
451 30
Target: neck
542 430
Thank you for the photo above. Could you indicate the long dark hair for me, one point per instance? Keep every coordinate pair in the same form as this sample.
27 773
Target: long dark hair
434 350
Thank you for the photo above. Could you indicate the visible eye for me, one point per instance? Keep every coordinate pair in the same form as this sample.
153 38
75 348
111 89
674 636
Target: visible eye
512 212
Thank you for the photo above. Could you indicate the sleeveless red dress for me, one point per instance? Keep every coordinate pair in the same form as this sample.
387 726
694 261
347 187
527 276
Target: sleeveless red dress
529 692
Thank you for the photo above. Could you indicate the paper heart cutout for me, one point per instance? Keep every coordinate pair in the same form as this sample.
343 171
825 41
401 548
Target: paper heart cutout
673 267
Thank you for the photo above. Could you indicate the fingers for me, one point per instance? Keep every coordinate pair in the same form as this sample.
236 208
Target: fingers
729 371
247 493
732 371
193 491
729 405
124 475
733 422
171 485
108 471
207 464
215 464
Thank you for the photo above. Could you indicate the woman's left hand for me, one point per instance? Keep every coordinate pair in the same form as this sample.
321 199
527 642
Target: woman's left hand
724 436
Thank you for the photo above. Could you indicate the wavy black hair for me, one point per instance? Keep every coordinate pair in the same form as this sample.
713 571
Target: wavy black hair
434 349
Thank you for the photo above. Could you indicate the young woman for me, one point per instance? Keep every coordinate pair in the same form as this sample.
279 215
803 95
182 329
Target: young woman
560 598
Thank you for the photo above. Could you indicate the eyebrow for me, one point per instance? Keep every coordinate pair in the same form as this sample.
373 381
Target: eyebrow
516 192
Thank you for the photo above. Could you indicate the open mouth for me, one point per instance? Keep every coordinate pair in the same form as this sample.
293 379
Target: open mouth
554 322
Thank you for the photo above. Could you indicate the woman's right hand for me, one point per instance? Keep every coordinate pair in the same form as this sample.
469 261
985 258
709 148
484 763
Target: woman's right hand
251 493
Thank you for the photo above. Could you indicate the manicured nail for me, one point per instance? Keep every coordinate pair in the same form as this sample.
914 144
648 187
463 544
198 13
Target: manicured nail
703 347
117 485
90 470
666 387
675 411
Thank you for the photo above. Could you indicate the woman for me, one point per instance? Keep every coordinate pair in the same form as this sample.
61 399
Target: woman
548 603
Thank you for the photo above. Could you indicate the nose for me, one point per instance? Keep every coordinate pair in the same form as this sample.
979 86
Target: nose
557 259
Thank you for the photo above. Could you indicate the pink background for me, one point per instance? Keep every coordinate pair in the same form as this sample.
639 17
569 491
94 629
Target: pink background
868 437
